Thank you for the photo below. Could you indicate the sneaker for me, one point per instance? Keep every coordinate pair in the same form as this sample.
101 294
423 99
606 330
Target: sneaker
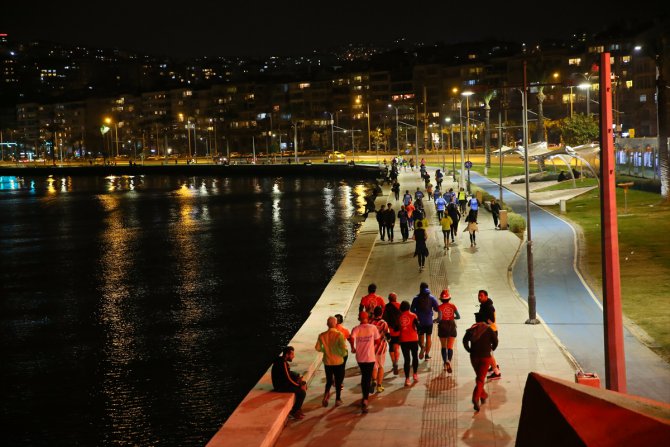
298 415
494 376
364 406
421 354
428 357
395 369
407 382
446 368
416 378
380 388
476 405
326 398
449 370
338 402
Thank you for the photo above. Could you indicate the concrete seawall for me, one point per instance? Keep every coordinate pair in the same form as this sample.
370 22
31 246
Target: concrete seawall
259 419
330 169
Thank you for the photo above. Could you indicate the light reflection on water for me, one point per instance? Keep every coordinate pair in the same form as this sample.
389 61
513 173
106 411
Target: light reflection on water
139 310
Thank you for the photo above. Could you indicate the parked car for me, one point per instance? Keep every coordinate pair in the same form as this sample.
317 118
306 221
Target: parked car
336 155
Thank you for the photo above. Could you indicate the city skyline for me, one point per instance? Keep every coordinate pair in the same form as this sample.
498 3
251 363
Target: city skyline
273 28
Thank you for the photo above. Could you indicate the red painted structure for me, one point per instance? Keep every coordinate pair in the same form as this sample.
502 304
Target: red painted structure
615 362
560 413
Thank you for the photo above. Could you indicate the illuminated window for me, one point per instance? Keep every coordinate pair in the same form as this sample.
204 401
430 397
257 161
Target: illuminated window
615 47
303 85
574 61
625 60
596 49
472 56
249 96
188 93
643 98
629 84
358 78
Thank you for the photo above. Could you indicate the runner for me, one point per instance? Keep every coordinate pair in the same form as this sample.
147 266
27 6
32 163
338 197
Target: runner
423 306
409 341
363 338
334 348
446 328
392 317
381 346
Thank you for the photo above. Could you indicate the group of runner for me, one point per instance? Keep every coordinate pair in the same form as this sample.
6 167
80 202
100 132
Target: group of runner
406 327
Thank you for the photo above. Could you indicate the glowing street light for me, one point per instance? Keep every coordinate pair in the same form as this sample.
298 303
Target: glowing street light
586 86
108 121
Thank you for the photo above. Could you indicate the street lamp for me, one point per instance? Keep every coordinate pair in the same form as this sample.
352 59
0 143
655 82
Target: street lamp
332 131
116 133
397 140
467 95
447 120
586 86
532 316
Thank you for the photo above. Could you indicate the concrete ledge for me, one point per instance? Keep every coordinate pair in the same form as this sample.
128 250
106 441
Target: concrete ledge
260 418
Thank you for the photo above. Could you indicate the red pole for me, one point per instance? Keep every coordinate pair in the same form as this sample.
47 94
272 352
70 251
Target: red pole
615 361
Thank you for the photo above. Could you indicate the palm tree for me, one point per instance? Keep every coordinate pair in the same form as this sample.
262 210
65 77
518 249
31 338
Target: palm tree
657 46
487 138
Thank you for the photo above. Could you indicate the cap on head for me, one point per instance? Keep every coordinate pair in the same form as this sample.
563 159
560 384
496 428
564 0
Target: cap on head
444 295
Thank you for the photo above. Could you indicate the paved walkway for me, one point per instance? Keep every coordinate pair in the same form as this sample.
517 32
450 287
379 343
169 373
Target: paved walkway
568 306
437 411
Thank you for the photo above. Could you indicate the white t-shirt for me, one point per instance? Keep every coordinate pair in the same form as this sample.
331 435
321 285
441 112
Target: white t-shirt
364 336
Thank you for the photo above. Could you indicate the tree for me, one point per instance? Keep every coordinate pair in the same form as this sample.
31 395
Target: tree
657 46
579 129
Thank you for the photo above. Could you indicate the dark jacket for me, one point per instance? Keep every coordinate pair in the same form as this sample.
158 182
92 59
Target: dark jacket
389 217
282 376
487 311
480 340
495 209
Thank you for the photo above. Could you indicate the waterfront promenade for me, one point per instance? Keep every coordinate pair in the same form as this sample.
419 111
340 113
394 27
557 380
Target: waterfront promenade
437 410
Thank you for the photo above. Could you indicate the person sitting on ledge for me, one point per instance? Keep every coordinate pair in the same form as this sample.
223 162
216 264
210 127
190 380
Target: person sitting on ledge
286 381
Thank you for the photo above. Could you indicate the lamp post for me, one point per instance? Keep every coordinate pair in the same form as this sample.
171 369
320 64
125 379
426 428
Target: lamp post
587 86
116 133
332 131
188 134
532 317
467 95
397 138
460 128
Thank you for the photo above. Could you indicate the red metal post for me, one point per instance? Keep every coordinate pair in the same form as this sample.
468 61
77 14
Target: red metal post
615 362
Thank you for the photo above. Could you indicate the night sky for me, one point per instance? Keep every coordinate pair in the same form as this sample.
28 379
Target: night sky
260 28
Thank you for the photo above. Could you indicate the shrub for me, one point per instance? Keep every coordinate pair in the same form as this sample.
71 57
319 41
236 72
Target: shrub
517 224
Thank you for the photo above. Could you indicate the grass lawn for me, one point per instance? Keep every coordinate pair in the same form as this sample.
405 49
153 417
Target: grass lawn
644 257
567 184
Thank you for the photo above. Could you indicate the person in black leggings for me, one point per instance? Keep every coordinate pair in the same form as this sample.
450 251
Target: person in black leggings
409 341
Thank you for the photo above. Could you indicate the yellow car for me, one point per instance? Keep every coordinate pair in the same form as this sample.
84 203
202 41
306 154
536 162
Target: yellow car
336 155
